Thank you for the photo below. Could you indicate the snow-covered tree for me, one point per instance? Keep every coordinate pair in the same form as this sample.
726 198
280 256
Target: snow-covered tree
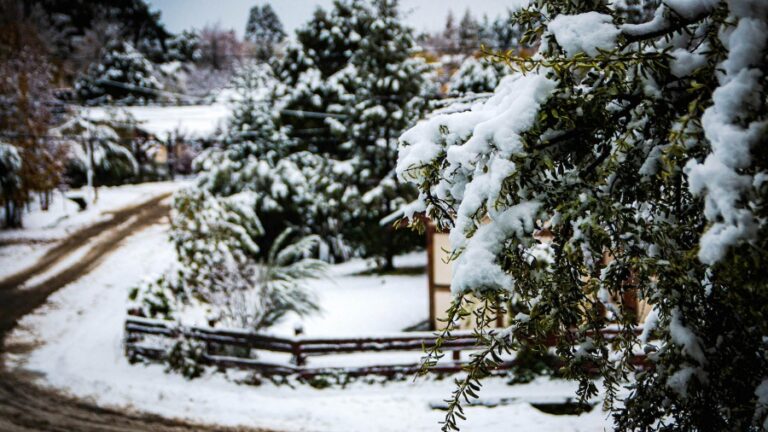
450 39
390 91
221 266
469 33
77 32
330 39
485 32
506 33
252 119
623 161
264 30
220 49
123 75
316 75
477 76
350 87
26 103
97 152
184 47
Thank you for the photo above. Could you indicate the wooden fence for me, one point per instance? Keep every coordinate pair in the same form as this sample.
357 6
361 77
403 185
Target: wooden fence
149 340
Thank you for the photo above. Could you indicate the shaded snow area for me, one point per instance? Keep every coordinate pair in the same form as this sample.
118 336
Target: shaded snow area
63 216
79 349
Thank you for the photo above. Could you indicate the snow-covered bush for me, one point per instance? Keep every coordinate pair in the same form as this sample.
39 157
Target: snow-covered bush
221 271
96 153
122 76
477 76
184 47
635 147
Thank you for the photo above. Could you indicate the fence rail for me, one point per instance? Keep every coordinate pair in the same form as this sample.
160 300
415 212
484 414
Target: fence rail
219 344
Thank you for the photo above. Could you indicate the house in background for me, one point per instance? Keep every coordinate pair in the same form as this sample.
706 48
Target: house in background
439 276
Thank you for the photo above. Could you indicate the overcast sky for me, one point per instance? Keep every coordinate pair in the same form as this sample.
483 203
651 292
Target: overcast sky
420 14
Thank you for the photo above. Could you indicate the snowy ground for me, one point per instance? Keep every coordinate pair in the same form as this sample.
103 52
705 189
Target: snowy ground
79 349
63 216
192 121
20 248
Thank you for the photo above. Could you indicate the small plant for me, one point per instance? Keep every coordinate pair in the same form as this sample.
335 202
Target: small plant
187 358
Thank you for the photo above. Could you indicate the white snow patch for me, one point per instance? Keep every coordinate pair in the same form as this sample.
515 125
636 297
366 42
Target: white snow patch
584 33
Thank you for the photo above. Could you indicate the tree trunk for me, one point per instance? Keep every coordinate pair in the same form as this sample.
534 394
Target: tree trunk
91 173
12 215
171 150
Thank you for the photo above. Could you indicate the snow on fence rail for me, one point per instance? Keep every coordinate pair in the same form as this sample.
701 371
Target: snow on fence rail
147 339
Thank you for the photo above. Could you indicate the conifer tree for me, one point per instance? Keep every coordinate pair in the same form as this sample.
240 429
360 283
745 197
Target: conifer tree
506 33
123 75
265 30
450 34
252 119
469 34
331 39
316 77
485 32
184 47
477 76
624 163
391 88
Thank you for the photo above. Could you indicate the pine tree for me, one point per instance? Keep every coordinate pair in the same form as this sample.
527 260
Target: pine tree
316 77
295 189
123 76
252 119
265 30
330 39
450 34
477 76
70 24
243 232
469 34
485 32
635 148
184 47
390 91
506 33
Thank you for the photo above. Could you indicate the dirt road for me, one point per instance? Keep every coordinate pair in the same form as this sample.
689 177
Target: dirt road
24 406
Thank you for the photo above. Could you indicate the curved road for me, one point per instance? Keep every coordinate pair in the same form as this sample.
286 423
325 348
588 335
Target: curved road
25 406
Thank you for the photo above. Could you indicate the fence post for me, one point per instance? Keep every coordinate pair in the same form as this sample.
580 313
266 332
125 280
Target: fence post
298 358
